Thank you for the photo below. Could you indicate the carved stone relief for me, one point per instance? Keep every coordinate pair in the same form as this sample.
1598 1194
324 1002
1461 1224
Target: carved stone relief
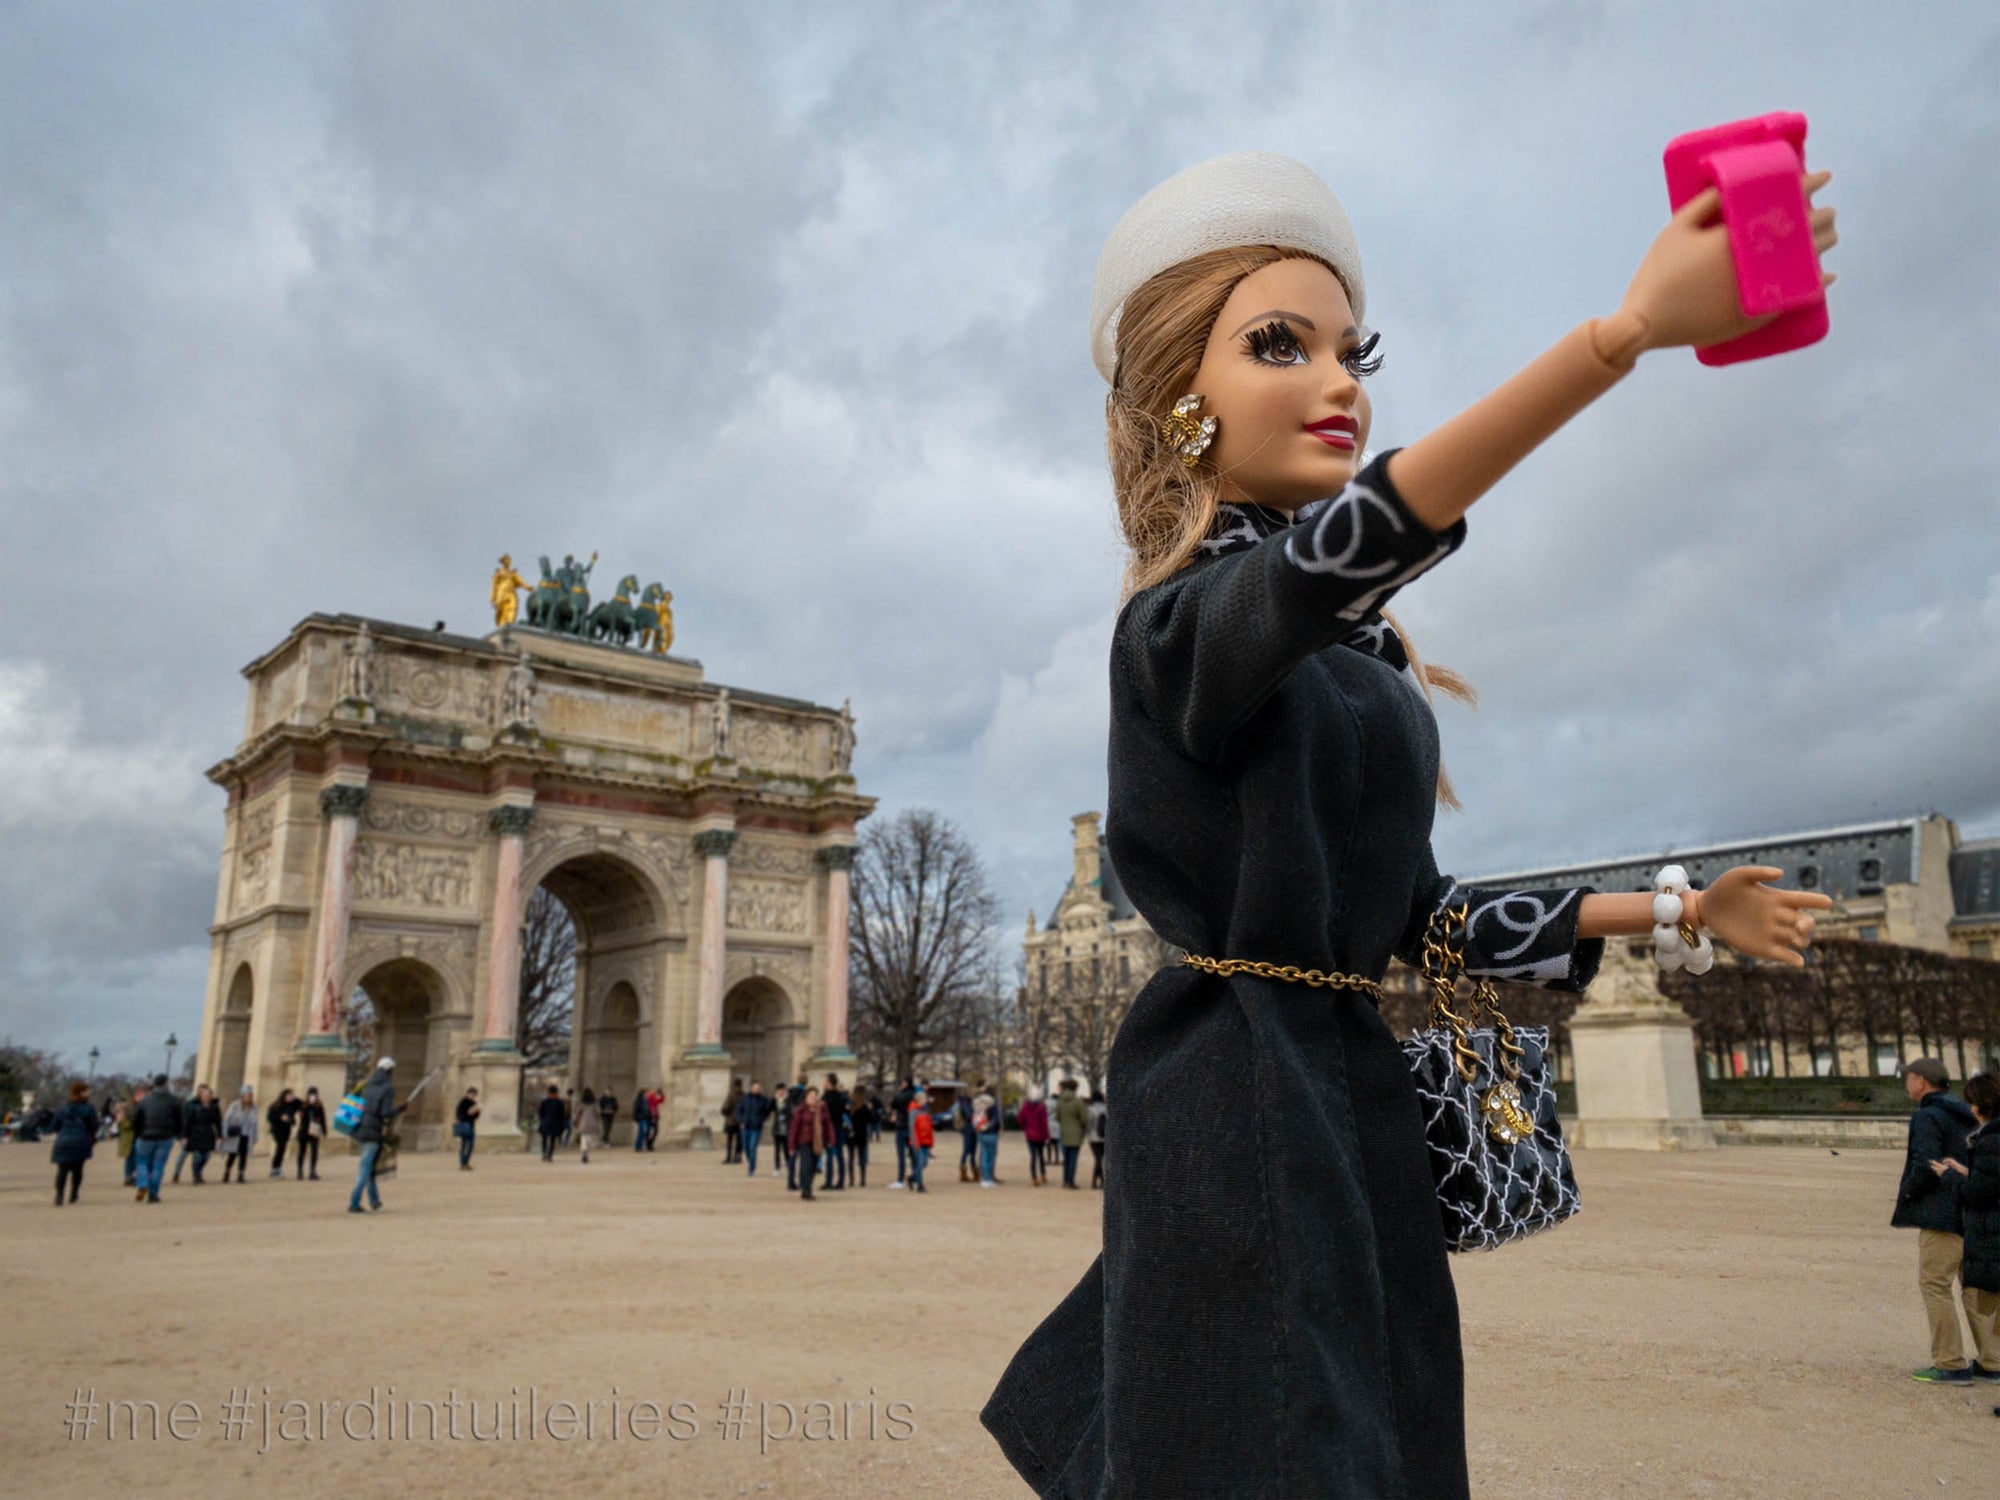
757 905
772 859
575 713
411 876
425 689
781 746
253 855
664 855
790 968
419 819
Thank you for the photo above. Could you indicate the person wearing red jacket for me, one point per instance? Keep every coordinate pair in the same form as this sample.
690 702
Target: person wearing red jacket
1035 1131
923 1136
811 1136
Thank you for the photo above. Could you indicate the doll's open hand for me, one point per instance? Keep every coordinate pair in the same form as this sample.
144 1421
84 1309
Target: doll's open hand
1758 919
1685 288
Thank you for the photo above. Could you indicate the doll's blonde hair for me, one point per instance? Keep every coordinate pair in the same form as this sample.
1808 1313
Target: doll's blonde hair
1165 508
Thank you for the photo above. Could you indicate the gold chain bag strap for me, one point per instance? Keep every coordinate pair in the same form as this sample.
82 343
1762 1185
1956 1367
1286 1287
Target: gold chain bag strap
1496 1148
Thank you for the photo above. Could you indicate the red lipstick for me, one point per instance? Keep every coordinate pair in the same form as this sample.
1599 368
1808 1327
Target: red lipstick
1336 432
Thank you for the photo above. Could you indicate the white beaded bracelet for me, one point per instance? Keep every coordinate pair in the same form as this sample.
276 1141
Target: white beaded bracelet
1676 945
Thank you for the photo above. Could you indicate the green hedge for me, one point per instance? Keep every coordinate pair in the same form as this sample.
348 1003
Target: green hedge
1804 1096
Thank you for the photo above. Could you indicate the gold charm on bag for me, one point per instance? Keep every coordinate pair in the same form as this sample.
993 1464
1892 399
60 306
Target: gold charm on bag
1501 1107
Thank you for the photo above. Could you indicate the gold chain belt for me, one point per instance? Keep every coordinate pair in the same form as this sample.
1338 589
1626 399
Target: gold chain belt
1289 973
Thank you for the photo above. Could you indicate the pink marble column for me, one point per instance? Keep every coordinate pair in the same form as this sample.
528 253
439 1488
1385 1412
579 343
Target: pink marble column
838 859
713 845
503 949
341 804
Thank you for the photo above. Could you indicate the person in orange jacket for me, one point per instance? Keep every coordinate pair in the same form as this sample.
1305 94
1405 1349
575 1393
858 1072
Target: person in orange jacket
923 1136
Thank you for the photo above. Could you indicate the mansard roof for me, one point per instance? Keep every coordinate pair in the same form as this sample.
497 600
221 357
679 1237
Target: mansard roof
1110 887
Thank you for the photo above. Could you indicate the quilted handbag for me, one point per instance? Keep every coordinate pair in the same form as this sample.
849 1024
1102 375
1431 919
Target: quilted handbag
1496 1149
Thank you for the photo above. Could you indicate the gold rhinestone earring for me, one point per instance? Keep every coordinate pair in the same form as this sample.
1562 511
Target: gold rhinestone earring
1190 438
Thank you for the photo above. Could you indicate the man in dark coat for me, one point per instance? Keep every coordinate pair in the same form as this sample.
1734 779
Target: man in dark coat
835 1100
1975 1180
1938 1130
378 1108
551 1115
157 1123
752 1110
899 1118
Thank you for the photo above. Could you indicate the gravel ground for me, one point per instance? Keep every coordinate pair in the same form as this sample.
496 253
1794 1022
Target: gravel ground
1739 1323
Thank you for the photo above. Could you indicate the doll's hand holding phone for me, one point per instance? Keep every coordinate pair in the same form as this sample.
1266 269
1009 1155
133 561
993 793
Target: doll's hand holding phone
1757 919
1685 290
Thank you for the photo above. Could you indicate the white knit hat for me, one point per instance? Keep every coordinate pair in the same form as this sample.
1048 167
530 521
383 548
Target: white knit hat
1246 198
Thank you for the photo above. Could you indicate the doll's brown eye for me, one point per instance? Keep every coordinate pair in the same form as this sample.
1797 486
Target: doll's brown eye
1275 344
1362 359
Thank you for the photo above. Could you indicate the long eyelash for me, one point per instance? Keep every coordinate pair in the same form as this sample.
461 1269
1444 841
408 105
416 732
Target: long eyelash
1273 338
1362 359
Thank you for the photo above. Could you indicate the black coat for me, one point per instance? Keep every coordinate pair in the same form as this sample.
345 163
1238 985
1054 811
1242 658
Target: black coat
378 1106
76 1135
1938 1128
1273 772
1979 1207
550 1115
752 1110
203 1125
157 1117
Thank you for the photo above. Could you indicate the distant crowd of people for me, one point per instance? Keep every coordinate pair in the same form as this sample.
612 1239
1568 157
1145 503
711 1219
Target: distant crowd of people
824 1134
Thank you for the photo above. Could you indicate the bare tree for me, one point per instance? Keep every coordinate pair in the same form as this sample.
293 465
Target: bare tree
920 935
1090 1000
548 980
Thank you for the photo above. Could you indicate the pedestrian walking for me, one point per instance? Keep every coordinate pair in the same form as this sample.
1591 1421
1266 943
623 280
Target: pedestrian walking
787 1106
465 1127
551 1116
378 1109
75 1141
968 1138
811 1135
923 1136
158 1123
1939 1128
899 1121
863 1123
203 1097
569 1117
641 1121
732 1128
752 1110
128 1134
1975 1182
588 1118
1034 1121
986 1123
1072 1127
655 1102
607 1111
280 1117
1094 1122
833 1099
311 1133
239 1134
201 1131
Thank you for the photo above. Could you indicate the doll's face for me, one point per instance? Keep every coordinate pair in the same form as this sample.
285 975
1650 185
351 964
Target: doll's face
1278 374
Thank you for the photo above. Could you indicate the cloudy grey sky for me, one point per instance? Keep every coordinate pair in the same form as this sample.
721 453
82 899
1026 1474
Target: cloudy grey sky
319 307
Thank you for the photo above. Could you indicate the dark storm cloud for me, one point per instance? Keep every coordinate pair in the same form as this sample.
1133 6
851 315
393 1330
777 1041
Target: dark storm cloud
323 307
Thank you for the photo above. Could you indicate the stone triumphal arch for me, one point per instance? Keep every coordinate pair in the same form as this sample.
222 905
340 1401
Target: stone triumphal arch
400 793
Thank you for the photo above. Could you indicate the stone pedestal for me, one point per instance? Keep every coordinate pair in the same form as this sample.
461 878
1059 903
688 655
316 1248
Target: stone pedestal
1637 1088
701 1083
495 1070
318 1062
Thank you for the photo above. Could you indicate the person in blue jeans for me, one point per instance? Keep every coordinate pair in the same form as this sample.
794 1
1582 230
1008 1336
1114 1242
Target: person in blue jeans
752 1110
378 1108
158 1122
465 1126
986 1122
922 1137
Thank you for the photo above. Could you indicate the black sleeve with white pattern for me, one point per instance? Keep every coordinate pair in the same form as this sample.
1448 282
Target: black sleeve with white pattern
1520 937
1209 645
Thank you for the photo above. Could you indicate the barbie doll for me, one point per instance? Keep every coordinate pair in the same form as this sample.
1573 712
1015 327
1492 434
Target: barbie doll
1281 1320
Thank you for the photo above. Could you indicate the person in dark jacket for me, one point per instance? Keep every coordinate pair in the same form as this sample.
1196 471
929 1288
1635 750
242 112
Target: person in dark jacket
311 1131
378 1108
1939 1127
752 1110
76 1139
607 1107
157 1125
551 1115
465 1127
201 1131
1976 1185
810 1136
282 1116
899 1121
732 1128
862 1123
641 1122
834 1098
202 1094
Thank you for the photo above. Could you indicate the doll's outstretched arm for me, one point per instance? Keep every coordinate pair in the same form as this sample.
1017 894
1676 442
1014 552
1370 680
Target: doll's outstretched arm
1683 293
1756 919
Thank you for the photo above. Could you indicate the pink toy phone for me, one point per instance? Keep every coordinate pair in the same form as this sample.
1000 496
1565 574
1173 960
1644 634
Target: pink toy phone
1757 164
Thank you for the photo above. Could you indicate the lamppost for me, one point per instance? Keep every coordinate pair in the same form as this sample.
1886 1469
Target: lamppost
91 1077
172 1042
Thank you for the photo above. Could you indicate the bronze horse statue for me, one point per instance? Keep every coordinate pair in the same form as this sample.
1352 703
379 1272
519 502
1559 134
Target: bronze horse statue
615 619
